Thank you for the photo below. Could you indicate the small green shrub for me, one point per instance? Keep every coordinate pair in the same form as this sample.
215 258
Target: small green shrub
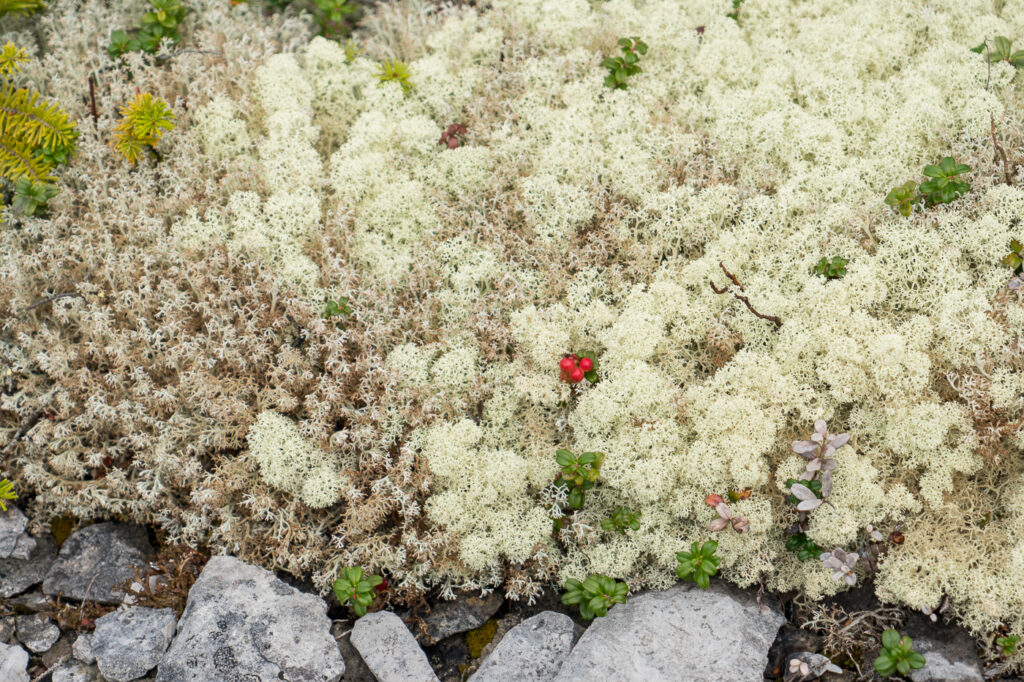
831 269
31 196
1015 259
897 655
595 595
337 308
357 589
1008 644
804 547
395 71
735 13
142 125
163 22
6 493
621 520
1002 51
945 184
331 17
699 564
578 473
621 68
903 198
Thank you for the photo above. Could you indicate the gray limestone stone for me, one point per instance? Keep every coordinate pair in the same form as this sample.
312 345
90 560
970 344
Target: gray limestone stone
95 560
389 649
531 651
128 643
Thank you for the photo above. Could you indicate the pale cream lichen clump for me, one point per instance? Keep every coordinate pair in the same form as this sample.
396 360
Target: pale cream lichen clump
575 217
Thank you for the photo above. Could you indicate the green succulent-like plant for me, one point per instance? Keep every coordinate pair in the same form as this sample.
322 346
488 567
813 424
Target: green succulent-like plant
804 547
621 520
699 564
1015 259
356 589
395 71
903 198
621 68
595 595
830 269
897 655
945 184
30 196
1002 51
6 493
162 22
579 474
1008 644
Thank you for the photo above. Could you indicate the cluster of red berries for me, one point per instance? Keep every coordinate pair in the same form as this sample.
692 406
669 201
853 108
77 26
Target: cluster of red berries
452 135
573 368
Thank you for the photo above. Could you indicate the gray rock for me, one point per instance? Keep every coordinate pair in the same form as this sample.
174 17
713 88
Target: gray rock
243 623
6 629
532 650
355 666
129 643
13 663
34 601
37 632
82 649
59 652
95 560
12 530
714 635
75 671
18 575
23 547
390 650
462 614
949 652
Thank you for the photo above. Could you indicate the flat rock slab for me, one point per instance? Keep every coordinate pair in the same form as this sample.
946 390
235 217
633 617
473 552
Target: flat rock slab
242 623
12 534
75 671
389 649
95 560
18 575
37 632
950 654
129 643
465 613
532 651
684 633
13 663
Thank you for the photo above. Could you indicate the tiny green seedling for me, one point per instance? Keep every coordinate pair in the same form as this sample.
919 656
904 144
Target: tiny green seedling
945 184
621 68
595 595
897 655
621 520
31 196
395 71
830 269
6 493
1015 259
337 308
356 588
578 473
735 13
699 564
903 198
1008 644
804 547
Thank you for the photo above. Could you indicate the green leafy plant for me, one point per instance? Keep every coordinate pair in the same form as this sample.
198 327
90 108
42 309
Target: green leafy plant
22 7
699 564
735 13
595 595
1002 51
356 589
621 520
337 308
830 269
142 125
1008 644
30 196
621 68
1015 259
903 198
331 16
6 493
803 547
162 22
945 184
897 655
579 474
395 71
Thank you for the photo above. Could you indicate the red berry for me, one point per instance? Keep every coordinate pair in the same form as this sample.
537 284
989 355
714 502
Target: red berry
576 375
586 364
567 364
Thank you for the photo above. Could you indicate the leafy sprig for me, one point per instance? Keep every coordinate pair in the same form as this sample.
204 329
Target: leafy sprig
356 589
897 655
699 564
595 595
621 68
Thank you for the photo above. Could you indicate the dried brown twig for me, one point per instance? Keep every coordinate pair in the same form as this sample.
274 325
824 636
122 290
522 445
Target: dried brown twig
746 301
1000 152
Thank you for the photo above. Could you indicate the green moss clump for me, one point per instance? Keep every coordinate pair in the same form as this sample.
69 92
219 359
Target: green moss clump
477 639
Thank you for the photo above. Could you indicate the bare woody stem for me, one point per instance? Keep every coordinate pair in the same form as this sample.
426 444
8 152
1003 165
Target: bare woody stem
746 301
1000 152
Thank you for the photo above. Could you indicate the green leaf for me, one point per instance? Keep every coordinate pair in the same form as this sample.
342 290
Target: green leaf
890 639
884 664
979 49
576 498
916 660
1002 46
564 458
702 580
